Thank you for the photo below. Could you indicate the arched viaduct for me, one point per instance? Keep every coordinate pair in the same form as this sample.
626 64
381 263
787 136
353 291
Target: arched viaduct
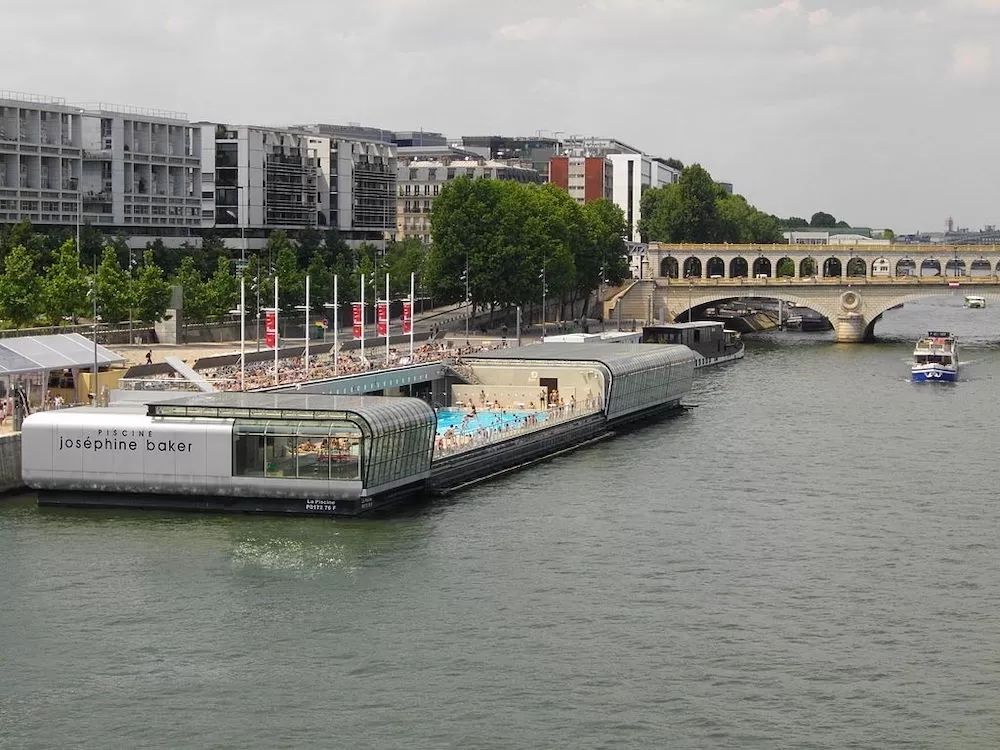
852 285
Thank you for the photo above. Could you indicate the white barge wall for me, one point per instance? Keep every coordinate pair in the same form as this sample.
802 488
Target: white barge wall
96 450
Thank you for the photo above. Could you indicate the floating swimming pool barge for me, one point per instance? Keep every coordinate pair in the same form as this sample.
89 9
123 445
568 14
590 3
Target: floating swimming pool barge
308 453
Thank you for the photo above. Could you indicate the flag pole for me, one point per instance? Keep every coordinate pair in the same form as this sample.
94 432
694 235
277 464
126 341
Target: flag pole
387 320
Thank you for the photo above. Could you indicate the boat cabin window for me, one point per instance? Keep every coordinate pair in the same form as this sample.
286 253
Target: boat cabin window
297 450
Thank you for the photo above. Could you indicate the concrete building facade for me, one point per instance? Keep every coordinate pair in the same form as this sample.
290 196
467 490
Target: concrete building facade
125 169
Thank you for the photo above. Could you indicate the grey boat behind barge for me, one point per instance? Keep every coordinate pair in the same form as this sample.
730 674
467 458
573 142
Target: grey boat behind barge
313 453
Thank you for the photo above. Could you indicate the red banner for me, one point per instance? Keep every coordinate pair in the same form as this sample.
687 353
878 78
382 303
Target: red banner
382 317
356 319
407 317
271 329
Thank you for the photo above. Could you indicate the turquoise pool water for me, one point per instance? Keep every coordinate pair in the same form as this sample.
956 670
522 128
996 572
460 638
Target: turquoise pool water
486 419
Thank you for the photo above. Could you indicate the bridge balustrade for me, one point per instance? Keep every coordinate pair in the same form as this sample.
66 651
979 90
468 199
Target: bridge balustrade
840 263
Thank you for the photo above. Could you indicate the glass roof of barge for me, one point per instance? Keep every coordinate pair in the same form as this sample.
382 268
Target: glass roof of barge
383 414
618 358
61 351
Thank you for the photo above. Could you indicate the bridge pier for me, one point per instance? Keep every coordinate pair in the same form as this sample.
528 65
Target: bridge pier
849 328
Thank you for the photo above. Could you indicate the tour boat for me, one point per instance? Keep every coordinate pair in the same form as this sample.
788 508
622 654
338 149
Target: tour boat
973 301
935 358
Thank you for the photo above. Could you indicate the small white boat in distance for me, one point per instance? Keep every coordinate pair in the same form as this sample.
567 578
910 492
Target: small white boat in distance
974 301
935 358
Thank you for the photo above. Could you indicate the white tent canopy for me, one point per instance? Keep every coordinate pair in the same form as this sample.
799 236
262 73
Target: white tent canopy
61 351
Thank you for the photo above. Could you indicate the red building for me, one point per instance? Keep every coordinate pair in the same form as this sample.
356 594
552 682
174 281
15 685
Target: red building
585 178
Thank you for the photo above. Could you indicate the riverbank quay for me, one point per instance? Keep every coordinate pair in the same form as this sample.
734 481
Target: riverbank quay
10 462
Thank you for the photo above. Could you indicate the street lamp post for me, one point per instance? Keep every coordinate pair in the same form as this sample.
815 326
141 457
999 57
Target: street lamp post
465 276
257 285
544 292
335 306
243 331
305 307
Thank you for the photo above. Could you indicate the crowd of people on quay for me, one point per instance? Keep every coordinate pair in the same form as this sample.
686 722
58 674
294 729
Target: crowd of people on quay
292 369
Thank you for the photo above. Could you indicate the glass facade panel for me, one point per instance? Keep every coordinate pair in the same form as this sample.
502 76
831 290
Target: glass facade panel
298 450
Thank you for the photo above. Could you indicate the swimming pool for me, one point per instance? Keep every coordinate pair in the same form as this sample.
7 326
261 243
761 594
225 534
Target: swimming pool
456 418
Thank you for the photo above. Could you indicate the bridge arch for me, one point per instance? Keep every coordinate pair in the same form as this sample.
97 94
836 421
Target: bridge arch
761 267
881 267
954 267
785 267
669 267
692 267
715 267
980 267
930 267
832 268
906 267
808 267
856 267
739 269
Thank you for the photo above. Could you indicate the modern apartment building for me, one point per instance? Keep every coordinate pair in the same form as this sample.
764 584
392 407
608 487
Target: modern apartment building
260 179
125 169
422 172
585 178
357 181
606 167
255 179
633 174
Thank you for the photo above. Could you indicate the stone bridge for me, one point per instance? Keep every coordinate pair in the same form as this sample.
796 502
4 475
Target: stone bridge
852 285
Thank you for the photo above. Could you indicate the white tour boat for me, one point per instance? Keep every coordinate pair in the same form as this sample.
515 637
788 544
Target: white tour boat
974 301
935 358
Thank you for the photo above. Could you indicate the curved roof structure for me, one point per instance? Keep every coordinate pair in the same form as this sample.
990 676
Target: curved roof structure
620 359
61 351
382 415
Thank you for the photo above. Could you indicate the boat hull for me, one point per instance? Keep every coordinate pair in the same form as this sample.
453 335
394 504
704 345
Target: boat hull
934 375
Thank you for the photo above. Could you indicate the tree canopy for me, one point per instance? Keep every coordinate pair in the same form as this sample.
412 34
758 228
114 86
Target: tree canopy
520 243
697 209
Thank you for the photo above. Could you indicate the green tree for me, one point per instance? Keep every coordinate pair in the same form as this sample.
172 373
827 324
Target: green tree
114 288
222 290
794 221
151 289
697 212
822 219
660 208
189 278
402 259
65 285
606 230
291 281
320 281
20 302
461 223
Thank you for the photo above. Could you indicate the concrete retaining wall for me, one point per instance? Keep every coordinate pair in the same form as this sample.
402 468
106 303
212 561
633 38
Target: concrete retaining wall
10 462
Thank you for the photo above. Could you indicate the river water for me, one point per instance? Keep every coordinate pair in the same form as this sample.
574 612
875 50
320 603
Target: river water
807 559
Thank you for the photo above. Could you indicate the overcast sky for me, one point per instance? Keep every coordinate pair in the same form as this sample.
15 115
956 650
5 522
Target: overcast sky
877 111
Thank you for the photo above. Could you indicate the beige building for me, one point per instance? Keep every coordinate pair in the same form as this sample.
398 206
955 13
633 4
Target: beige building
423 172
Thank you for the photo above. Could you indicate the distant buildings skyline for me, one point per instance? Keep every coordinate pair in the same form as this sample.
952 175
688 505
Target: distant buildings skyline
155 174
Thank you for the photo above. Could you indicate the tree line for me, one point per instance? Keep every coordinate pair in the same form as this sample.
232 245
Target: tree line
505 243
696 209
47 279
